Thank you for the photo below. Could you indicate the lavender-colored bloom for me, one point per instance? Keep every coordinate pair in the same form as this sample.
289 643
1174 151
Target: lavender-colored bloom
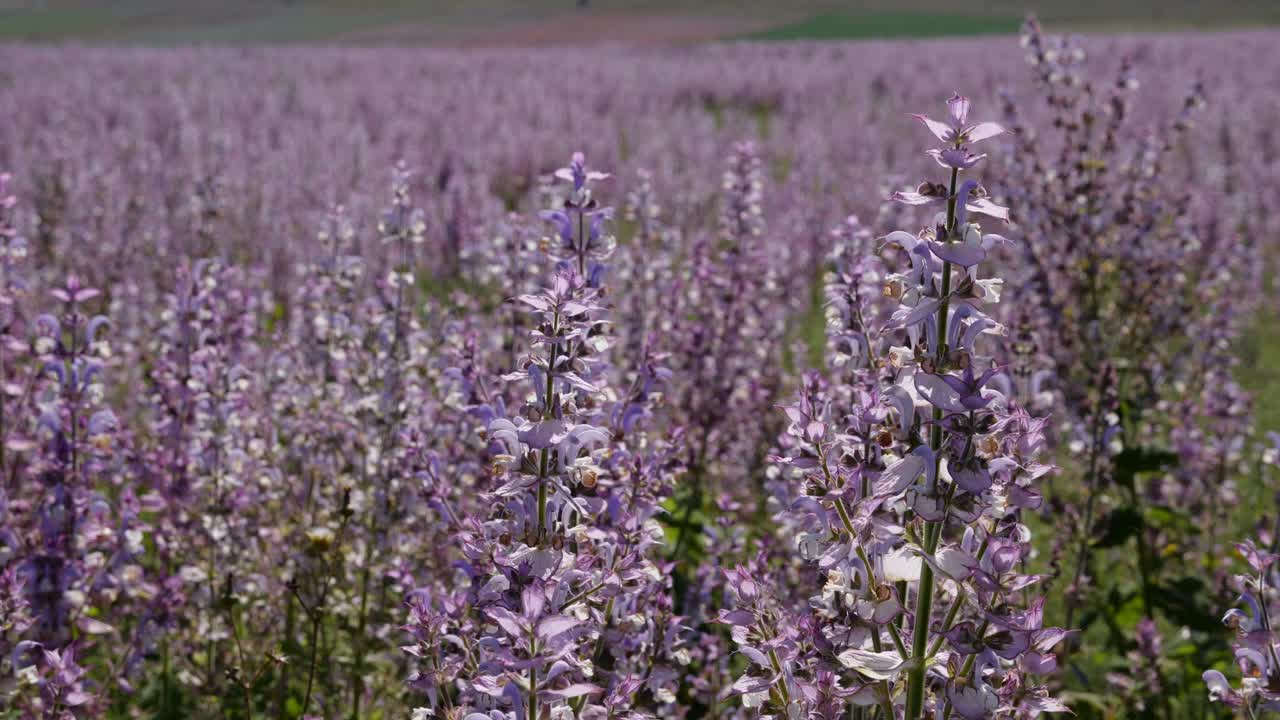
482 447
911 480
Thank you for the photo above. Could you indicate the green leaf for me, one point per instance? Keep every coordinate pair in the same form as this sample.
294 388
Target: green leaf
1172 520
1117 527
1135 460
1074 698
1181 600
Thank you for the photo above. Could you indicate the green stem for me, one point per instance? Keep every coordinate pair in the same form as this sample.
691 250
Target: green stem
164 682
282 685
782 687
544 456
533 679
1091 481
542 495
932 530
581 596
695 476
582 244
598 654
946 625
358 689
1145 561
311 664
246 685
897 640
919 640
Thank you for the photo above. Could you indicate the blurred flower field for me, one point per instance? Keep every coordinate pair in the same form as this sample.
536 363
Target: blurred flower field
746 380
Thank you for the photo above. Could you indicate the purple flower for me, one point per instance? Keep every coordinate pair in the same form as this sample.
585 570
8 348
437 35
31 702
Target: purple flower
955 131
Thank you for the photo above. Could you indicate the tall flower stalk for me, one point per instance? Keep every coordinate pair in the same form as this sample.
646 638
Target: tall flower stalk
569 613
913 473
954 250
1256 650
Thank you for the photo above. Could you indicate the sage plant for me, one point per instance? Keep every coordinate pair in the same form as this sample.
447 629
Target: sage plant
1255 648
911 481
572 612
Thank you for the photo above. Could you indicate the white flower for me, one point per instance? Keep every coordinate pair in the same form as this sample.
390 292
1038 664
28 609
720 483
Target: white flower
874 665
902 565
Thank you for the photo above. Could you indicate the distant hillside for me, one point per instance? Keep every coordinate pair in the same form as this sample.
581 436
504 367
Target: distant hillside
536 22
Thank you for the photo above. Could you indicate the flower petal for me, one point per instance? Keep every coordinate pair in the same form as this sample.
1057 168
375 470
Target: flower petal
900 475
938 393
941 130
982 131
877 666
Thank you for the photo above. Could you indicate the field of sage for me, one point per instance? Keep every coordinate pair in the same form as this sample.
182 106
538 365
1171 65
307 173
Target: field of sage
800 381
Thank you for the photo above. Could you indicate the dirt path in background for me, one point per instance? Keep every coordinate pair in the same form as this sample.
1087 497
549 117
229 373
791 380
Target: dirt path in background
591 27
